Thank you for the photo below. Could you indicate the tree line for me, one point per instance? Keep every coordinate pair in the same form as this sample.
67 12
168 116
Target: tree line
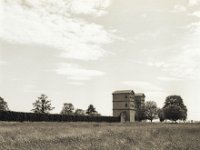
173 109
43 106
41 112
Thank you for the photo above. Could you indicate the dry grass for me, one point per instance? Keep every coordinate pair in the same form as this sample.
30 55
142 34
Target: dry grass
98 136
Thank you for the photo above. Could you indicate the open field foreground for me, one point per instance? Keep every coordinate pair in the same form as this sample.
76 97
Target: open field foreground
98 136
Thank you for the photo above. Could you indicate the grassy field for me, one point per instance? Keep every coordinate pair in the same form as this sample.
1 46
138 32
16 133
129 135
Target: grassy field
98 136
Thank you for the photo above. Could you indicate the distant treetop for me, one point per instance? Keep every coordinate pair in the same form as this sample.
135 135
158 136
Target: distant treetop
3 105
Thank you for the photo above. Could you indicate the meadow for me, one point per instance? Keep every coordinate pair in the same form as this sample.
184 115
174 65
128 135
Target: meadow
98 136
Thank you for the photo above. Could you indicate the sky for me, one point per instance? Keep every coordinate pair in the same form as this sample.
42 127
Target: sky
80 51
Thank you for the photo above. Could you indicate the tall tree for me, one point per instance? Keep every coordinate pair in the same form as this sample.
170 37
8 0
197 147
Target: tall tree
42 105
91 110
3 105
68 108
151 110
174 108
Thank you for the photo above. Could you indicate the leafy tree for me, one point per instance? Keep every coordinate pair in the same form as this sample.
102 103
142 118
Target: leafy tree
173 112
3 105
79 112
91 110
68 108
42 105
174 108
161 115
174 100
151 110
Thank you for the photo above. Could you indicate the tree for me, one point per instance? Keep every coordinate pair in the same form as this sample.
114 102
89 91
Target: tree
68 108
42 105
3 105
91 110
173 112
79 112
161 115
151 110
174 108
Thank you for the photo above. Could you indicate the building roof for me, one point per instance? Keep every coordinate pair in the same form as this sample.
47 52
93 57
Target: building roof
140 94
123 92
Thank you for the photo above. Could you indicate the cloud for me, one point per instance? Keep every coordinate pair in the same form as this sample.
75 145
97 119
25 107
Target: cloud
182 66
77 73
168 79
194 2
184 63
196 13
2 62
51 23
31 88
76 83
179 8
16 79
152 91
142 86
96 7
159 97
158 64
173 49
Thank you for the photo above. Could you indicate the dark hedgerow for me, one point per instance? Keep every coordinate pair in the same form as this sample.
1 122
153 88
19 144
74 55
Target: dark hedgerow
22 116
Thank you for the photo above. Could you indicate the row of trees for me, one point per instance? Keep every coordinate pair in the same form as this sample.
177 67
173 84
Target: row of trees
68 109
173 109
43 105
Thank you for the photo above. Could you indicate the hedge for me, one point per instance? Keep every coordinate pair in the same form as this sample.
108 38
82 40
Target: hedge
22 116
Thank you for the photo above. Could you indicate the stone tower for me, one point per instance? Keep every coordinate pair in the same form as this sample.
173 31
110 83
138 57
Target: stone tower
140 105
139 100
124 104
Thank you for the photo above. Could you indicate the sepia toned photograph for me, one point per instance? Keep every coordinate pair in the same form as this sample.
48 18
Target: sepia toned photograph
99 74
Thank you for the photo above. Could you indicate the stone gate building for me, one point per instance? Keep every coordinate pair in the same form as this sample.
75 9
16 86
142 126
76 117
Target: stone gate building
125 104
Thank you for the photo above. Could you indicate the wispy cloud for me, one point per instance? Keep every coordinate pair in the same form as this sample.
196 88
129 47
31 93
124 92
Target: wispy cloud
2 62
16 79
196 13
51 23
94 7
179 8
185 65
194 2
31 87
76 83
77 73
158 96
163 78
142 86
